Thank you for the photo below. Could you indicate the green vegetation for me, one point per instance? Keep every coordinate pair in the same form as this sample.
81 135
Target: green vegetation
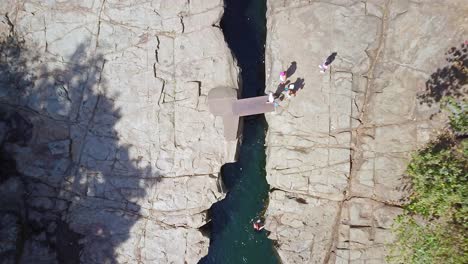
458 117
433 228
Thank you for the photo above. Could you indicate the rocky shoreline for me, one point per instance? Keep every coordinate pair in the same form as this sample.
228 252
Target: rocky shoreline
337 151
104 112
109 153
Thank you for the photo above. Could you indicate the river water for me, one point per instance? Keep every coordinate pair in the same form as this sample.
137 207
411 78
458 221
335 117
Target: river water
232 238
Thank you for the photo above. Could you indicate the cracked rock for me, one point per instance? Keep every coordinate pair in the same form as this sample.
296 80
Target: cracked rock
345 139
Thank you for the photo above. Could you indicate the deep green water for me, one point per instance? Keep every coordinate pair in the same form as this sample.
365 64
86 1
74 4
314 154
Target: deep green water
232 238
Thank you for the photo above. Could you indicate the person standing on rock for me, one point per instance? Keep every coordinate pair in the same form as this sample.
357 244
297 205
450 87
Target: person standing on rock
283 77
324 66
271 97
288 91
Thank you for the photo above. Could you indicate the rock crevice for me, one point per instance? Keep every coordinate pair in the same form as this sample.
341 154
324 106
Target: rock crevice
120 147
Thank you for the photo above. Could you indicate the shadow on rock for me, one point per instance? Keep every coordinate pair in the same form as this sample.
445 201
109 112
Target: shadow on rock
71 191
449 80
291 69
299 84
293 88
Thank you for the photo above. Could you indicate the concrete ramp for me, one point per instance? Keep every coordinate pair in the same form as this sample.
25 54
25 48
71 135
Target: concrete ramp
220 101
231 125
223 102
252 106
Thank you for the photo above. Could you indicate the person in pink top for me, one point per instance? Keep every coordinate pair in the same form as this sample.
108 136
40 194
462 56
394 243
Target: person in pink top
282 77
324 66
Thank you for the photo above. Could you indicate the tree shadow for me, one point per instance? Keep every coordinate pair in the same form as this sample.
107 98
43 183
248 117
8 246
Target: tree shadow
72 191
449 80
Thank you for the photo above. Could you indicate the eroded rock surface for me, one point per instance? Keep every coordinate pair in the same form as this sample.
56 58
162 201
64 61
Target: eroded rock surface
338 150
103 109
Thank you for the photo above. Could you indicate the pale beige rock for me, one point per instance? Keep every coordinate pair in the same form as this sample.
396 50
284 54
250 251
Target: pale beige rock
120 128
299 230
349 133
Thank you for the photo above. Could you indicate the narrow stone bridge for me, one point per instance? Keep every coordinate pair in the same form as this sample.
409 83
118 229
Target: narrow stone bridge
223 102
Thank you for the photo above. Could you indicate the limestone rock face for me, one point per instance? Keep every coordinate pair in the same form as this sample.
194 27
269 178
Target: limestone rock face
337 151
104 111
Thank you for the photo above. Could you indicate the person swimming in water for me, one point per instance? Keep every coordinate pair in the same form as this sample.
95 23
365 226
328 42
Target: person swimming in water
258 225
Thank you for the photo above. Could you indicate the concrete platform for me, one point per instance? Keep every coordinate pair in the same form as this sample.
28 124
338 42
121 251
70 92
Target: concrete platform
223 102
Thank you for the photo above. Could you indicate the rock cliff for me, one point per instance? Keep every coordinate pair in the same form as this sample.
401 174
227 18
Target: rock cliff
109 154
337 151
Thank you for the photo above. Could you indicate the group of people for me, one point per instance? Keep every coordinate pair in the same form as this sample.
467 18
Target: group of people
288 89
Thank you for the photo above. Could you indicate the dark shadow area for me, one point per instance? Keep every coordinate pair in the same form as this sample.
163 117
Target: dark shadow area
67 244
7 166
246 39
330 58
299 84
293 88
206 228
228 175
289 72
13 61
291 69
448 80
69 188
232 237
280 88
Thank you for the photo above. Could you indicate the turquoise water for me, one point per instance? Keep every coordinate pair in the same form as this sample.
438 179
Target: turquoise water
232 238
